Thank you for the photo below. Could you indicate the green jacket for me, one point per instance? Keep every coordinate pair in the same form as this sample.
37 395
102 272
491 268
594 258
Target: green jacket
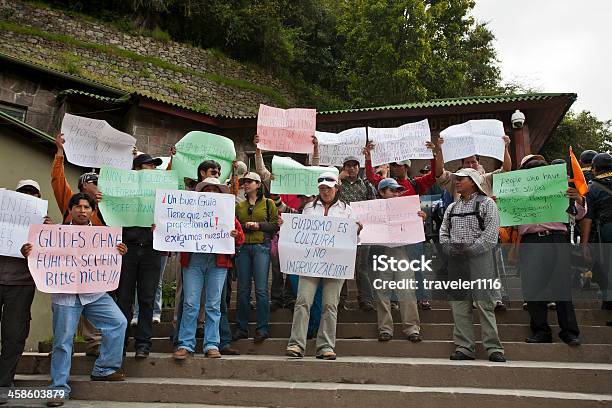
265 213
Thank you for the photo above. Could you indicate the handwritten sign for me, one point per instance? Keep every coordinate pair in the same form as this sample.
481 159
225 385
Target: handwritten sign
400 143
532 196
195 147
390 221
75 259
318 246
17 212
187 221
291 177
335 147
95 143
286 130
483 137
129 195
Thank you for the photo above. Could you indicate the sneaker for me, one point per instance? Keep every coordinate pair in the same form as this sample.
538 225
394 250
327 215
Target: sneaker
141 353
134 322
415 338
328 355
116 376
181 354
500 307
572 341
156 319
294 351
551 306
424 305
457 355
213 353
384 336
394 306
342 306
497 357
524 305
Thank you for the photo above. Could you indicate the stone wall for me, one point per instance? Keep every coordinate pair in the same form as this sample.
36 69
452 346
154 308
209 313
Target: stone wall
129 74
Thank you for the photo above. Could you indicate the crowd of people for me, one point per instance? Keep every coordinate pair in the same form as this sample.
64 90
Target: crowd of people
469 234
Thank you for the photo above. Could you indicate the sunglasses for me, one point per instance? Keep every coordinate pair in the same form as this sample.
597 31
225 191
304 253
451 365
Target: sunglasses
322 179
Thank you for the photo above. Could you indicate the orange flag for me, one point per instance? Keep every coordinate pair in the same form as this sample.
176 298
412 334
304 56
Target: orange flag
578 180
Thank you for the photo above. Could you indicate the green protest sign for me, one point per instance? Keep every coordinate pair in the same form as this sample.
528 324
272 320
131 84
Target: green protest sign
532 196
195 147
291 177
129 196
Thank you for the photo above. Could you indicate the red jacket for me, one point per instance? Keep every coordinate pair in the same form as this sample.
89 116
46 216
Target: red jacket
223 260
423 182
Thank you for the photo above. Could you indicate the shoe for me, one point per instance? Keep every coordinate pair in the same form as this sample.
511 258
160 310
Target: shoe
134 322
366 306
572 341
275 306
394 306
93 351
424 305
55 402
551 306
342 306
238 335
384 336
116 376
415 338
213 353
497 357
140 354
228 351
199 333
253 305
536 338
157 320
290 305
500 307
181 354
524 305
260 337
328 355
294 351
457 355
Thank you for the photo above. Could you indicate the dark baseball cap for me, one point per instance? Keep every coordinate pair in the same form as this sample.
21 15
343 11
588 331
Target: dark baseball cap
144 159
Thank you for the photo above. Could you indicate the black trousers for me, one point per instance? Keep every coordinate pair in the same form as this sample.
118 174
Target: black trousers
280 290
538 311
15 303
139 271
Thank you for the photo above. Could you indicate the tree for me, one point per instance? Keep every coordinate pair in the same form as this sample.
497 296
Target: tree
582 131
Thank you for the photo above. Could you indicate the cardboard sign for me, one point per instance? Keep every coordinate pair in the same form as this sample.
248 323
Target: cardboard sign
318 246
291 177
335 147
75 259
286 130
95 143
483 137
17 212
195 147
187 221
400 143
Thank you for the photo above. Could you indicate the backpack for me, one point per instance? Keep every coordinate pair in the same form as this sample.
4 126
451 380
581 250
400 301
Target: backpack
476 213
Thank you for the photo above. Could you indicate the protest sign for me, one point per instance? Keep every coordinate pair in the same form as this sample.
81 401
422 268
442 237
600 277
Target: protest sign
390 221
286 130
318 246
129 195
195 147
532 196
483 137
75 258
17 212
334 147
187 221
291 177
400 143
95 143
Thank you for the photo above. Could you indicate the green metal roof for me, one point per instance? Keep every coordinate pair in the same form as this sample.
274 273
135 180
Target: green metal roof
474 100
29 129
120 100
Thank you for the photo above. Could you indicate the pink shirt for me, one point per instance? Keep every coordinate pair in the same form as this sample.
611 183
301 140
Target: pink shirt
549 226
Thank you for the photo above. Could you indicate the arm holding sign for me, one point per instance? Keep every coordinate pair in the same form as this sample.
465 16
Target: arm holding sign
315 152
425 182
61 188
369 170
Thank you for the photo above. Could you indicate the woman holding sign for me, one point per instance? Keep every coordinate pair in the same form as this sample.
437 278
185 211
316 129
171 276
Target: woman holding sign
327 203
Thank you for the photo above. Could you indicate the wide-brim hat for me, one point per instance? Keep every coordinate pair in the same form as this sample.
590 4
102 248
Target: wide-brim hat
529 158
212 181
476 177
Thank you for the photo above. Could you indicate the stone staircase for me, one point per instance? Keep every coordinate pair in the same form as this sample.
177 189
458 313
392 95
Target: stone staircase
367 372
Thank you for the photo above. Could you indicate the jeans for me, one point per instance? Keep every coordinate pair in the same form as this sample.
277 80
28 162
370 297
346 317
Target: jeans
202 273
15 303
140 268
106 316
415 251
157 306
315 309
253 262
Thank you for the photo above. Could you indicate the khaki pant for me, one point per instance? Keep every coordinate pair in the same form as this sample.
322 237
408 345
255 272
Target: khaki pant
463 333
90 333
326 337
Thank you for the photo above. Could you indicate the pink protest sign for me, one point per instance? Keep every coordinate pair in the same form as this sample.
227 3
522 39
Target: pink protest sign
390 221
286 130
75 259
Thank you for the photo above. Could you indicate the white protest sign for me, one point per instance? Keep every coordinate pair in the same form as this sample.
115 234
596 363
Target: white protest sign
400 143
318 246
390 221
335 147
17 212
483 137
187 221
95 143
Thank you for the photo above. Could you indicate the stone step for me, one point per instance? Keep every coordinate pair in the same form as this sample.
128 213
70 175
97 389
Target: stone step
418 372
429 331
513 316
109 404
309 394
443 304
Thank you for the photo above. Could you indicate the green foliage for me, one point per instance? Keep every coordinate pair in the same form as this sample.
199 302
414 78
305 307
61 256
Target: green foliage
160 35
582 131
176 87
71 63
168 294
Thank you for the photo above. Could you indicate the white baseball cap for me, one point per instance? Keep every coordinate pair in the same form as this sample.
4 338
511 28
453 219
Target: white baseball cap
328 179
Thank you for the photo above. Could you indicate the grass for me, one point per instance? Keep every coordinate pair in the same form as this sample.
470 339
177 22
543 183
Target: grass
71 63
145 73
160 35
112 50
176 87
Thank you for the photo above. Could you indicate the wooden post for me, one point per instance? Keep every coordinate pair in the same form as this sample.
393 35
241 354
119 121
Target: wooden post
522 144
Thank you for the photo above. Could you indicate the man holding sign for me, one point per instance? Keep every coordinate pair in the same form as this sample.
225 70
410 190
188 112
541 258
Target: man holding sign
67 308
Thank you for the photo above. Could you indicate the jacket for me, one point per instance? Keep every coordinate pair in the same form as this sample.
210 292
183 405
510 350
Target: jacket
423 183
14 271
223 260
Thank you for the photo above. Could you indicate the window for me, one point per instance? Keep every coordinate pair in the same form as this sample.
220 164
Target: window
15 111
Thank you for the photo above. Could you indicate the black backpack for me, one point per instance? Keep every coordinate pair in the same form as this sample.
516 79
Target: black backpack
479 199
